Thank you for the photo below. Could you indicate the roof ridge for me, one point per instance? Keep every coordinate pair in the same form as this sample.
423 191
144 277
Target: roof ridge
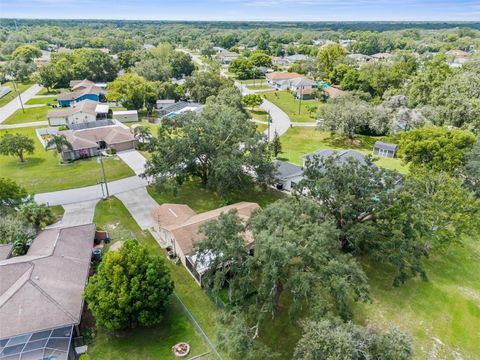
17 285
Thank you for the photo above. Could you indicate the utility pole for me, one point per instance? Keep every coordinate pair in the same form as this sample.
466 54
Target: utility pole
100 161
18 92
300 102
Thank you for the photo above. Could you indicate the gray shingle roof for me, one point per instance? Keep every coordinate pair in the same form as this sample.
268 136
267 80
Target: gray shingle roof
286 169
342 155
385 146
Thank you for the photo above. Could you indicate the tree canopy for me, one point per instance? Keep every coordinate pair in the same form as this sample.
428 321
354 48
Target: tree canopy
131 288
219 146
16 145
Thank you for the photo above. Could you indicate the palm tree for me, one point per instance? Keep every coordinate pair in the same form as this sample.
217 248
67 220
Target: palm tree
59 142
144 134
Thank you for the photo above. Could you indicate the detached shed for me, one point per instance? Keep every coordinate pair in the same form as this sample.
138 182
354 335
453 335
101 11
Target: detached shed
385 149
125 115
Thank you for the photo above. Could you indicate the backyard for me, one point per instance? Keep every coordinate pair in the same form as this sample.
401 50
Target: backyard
42 100
42 172
298 141
13 94
153 342
286 101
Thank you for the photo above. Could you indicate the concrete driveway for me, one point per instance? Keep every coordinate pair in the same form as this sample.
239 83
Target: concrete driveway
77 214
139 204
14 105
89 193
134 160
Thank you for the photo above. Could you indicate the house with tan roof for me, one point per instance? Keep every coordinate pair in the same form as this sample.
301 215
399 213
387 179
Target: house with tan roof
41 299
79 113
284 80
89 142
81 90
178 226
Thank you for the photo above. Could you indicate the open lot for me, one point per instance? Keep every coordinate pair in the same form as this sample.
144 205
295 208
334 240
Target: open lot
200 199
153 342
30 115
12 94
42 172
287 102
298 141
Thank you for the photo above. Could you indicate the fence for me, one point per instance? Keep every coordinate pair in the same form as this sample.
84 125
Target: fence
197 327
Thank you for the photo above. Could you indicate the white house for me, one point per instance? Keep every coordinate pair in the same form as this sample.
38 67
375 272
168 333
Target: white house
82 112
287 175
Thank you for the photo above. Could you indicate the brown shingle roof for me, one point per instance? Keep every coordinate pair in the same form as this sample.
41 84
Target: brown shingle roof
86 138
187 233
283 76
43 289
72 95
333 92
80 84
87 106
167 215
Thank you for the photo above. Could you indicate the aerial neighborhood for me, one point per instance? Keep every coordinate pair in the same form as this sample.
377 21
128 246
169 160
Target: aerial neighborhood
239 190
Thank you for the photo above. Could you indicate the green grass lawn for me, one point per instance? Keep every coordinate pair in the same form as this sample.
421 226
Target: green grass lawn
298 141
443 314
13 94
261 128
200 199
286 101
42 172
42 100
30 115
258 87
44 91
257 81
153 342
258 114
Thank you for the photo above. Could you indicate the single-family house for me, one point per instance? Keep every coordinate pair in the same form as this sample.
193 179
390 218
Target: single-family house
291 59
304 88
170 110
287 175
381 56
331 92
226 57
457 58
161 104
69 98
125 115
41 292
90 141
281 80
82 112
384 149
280 61
178 226
341 156
359 57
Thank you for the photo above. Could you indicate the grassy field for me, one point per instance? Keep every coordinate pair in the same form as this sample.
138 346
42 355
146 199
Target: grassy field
13 94
299 141
43 172
257 81
30 115
200 199
261 128
286 101
144 343
42 100
258 114
443 314
258 87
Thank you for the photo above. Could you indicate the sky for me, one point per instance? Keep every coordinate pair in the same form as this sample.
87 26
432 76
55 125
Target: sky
238 10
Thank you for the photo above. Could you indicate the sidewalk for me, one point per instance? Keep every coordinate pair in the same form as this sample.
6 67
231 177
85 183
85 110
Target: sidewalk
7 110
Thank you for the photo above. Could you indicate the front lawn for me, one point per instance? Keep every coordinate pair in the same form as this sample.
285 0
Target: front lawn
256 81
258 114
44 91
42 171
42 100
153 342
30 115
201 199
298 141
287 102
13 94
